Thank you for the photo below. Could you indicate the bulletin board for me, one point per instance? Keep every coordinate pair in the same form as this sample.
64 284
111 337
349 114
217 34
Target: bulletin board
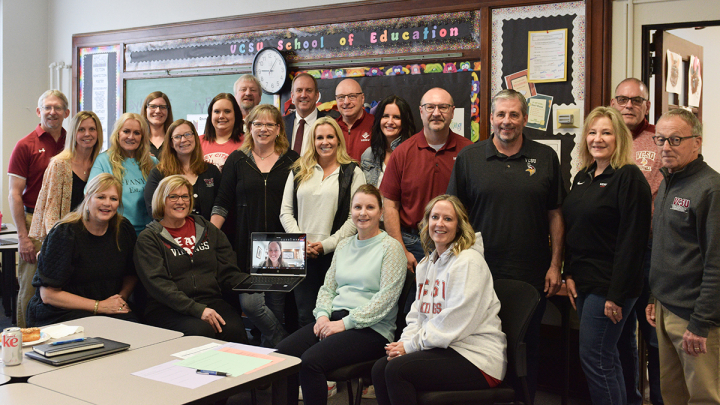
510 56
100 85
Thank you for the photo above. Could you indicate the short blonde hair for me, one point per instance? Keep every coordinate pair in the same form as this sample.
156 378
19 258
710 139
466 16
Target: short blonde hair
167 186
623 139
309 159
270 111
464 235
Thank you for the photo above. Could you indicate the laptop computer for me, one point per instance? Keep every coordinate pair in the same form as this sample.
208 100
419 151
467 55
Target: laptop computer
279 262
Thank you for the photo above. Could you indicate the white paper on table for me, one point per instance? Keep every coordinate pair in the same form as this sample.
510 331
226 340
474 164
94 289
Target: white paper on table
61 330
247 348
176 375
195 350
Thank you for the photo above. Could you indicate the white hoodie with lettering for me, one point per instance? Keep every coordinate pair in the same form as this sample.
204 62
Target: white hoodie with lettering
456 307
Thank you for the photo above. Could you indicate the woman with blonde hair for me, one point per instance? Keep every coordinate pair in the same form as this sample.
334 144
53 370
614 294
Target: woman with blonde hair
316 201
251 191
66 176
157 111
453 338
183 156
607 225
86 266
129 160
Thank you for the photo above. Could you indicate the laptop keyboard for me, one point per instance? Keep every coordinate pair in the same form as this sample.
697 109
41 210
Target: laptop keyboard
256 279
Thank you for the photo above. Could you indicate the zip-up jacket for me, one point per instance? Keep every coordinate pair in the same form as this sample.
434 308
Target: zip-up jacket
685 264
174 278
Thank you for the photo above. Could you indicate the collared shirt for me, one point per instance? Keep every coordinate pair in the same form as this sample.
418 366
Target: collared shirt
508 199
358 137
31 157
416 174
309 121
647 155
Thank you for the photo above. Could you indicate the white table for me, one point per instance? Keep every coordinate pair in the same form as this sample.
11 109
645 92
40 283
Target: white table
26 394
108 381
135 334
9 272
4 379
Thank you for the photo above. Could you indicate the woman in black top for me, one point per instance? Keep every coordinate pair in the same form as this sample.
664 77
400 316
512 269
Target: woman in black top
157 111
607 224
85 266
183 156
252 187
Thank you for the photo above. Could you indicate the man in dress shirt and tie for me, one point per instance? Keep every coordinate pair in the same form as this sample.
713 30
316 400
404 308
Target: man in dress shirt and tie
304 96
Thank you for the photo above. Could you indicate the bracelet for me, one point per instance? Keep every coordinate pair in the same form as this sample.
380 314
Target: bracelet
96 307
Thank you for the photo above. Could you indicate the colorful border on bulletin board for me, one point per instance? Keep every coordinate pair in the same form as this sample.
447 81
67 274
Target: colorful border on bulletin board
415 69
101 49
417 34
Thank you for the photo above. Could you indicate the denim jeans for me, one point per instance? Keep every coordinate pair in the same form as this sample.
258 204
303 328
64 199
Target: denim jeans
253 305
599 355
413 245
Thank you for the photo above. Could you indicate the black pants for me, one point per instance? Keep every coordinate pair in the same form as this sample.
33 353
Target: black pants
322 356
232 331
306 292
397 381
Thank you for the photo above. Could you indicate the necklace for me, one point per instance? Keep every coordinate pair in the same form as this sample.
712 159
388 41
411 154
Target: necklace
263 158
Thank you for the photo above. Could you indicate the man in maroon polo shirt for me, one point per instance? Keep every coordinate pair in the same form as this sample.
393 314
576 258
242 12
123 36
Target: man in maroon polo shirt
631 99
355 123
28 162
419 170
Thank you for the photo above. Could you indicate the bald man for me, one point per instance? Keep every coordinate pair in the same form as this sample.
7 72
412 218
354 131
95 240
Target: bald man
355 123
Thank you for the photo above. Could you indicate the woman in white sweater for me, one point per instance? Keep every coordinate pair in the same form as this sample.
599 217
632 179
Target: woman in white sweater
316 201
453 339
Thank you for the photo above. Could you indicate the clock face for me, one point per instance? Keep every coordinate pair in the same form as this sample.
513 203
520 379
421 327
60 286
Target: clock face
270 68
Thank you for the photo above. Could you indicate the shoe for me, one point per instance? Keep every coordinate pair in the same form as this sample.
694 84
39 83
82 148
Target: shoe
332 388
300 398
369 392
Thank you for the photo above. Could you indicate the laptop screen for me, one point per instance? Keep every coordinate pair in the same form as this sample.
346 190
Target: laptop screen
278 253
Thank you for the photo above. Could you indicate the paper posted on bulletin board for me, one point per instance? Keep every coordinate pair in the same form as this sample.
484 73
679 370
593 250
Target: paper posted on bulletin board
547 56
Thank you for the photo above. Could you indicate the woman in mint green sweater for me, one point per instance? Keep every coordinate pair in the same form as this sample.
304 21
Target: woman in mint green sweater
356 306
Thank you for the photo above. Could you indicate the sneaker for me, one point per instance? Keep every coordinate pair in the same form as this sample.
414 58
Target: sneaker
332 388
369 392
300 398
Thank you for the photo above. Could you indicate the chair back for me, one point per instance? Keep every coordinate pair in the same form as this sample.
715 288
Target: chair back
400 322
518 301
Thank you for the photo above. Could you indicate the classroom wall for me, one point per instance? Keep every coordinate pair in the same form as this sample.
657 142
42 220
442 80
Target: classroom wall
628 18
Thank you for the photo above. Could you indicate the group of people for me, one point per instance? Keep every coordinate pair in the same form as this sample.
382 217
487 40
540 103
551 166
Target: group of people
380 202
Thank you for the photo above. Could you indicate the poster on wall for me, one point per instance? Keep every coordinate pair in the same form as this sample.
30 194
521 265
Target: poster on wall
547 56
539 108
674 73
518 81
694 82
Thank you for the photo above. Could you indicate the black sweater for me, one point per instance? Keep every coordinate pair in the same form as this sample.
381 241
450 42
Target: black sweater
607 225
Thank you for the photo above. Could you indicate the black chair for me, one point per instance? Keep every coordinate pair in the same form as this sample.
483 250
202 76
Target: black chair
362 371
518 301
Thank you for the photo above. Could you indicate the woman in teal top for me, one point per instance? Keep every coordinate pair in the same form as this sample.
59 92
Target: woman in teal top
128 159
356 306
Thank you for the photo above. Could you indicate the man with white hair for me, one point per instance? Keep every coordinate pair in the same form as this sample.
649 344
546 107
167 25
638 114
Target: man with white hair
28 162
247 93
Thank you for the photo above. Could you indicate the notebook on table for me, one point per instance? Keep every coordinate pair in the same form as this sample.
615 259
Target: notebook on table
109 346
292 264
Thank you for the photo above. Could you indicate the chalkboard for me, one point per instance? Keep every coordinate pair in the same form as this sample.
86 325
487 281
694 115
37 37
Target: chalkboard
188 95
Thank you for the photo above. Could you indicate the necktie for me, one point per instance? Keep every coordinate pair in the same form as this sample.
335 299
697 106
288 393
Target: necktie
297 147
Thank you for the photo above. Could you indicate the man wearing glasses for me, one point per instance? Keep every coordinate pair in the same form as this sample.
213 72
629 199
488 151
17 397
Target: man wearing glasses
685 269
419 170
513 189
28 162
355 123
631 99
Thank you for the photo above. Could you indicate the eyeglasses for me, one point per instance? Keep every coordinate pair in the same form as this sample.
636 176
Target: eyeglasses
175 197
157 107
186 135
636 101
269 126
56 108
673 140
429 108
349 96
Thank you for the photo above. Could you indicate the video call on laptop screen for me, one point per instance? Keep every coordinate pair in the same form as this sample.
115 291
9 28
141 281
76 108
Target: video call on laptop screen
278 253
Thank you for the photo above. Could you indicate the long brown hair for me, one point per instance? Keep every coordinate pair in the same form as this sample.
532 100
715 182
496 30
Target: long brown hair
152 96
237 131
169 161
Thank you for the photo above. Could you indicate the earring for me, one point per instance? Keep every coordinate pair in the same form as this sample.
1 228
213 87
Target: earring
87 214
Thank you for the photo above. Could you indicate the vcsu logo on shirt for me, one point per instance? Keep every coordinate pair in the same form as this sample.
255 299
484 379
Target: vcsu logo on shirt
680 204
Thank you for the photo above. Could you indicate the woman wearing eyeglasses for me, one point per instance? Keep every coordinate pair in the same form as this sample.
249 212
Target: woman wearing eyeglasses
184 157
607 224
157 112
252 187
185 263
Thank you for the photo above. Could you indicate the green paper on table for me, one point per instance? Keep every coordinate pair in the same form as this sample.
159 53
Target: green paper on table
233 364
